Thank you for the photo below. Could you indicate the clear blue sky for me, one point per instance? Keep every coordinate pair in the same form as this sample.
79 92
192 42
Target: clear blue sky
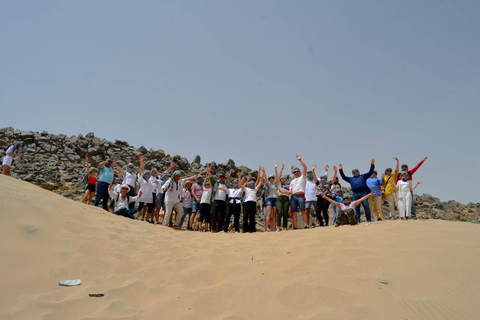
256 81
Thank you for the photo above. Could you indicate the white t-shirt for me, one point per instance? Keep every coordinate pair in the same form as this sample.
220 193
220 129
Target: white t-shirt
298 185
206 196
147 189
174 190
220 194
7 160
129 178
251 194
310 190
235 193
119 203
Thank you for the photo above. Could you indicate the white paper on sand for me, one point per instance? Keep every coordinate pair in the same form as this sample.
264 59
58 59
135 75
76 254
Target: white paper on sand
69 283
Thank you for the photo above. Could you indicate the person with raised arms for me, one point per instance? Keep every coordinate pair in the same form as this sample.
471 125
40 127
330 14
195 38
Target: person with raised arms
387 190
297 186
283 201
359 188
104 180
129 178
346 215
219 199
122 201
235 194
91 183
173 198
250 189
271 196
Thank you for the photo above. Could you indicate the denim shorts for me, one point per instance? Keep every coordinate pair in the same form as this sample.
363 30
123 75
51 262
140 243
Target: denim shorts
297 203
271 202
310 204
195 206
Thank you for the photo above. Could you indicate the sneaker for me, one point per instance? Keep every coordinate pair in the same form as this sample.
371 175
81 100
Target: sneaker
379 219
268 230
222 231
236 231
415 218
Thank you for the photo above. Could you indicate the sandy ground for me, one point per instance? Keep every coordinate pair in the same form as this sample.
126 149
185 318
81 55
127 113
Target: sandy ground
153 272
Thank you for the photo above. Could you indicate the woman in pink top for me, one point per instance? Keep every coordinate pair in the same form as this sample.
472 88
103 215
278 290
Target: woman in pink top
347 209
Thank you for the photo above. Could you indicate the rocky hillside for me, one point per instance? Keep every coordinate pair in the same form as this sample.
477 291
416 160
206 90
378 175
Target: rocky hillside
56 163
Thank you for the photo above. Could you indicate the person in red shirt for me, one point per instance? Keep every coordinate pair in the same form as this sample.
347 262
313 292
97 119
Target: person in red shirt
92 183
410 174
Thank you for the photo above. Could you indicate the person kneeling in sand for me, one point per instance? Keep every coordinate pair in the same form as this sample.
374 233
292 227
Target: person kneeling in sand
122 200
347 209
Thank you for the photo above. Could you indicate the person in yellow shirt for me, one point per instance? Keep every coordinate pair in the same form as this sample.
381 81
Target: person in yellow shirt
388 191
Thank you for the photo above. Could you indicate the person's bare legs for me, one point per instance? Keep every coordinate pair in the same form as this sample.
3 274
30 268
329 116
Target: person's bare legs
192 219
90 197
274 217
268 222
86 196
305 218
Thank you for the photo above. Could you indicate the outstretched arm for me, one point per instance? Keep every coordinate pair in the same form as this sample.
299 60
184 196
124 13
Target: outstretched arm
398 164
89 174
418 166
370 172
334 174
340 167
314 174
118 167
241 181
140 159
303 164
416 185
260 178
357 202
209 173
335 203
281 171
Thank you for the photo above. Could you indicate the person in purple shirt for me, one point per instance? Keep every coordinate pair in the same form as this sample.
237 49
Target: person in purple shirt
375 202
346 215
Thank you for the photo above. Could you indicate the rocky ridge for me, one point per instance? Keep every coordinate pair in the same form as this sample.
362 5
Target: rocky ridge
56 163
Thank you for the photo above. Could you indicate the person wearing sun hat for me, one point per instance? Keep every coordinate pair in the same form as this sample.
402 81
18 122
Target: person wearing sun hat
122 201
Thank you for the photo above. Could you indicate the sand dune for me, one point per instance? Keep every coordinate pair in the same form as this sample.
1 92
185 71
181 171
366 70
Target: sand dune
153 272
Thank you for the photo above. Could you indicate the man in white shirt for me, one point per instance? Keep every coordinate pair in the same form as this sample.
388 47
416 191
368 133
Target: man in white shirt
297 187
173 198
220 200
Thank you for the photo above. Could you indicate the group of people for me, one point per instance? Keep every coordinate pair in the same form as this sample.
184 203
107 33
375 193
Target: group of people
207 202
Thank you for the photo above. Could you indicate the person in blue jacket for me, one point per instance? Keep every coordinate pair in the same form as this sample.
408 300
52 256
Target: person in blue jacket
359 188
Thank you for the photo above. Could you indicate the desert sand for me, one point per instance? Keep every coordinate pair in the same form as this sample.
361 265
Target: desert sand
153 272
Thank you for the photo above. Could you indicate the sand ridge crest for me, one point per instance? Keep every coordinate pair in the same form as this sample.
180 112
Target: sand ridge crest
151 272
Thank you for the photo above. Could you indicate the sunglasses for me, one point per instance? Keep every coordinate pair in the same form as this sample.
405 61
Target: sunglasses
125 189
